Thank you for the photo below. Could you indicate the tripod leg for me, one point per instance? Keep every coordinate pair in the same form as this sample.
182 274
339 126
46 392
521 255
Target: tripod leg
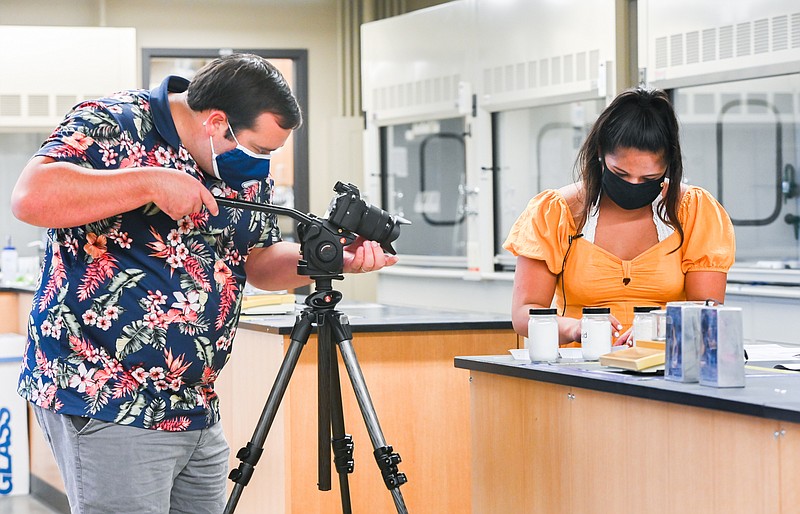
384 455
342 443
323 406
251 453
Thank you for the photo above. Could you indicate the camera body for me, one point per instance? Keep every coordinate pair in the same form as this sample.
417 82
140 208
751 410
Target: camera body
322 242
347 210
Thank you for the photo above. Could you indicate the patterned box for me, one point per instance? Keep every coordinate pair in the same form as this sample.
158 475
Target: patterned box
684 340
722 354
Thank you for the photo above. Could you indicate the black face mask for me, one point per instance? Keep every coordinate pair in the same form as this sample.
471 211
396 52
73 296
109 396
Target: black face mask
630 196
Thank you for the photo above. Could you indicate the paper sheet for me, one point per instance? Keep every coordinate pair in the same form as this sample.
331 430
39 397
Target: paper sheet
771 352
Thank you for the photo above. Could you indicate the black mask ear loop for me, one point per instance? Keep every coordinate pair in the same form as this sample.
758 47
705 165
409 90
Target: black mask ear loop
563 267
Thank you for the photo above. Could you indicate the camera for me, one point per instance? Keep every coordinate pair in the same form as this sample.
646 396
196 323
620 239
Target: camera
322 240
348 211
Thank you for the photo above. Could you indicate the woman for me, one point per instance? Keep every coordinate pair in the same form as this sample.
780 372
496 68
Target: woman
629 233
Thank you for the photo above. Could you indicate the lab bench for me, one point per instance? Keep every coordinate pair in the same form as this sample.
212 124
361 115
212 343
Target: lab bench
580 437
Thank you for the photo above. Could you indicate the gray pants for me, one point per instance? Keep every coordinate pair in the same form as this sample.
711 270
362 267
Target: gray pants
109 468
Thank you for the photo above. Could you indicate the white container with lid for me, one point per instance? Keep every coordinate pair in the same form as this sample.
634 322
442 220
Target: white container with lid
595 332
543 335
644 324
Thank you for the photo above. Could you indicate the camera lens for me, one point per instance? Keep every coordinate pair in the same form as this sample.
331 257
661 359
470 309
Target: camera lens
350 212
378 225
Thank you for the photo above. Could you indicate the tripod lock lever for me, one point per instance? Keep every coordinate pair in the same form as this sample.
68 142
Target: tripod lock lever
249 455
343 454
387 462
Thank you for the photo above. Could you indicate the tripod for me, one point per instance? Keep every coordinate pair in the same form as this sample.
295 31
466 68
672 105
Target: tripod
333 327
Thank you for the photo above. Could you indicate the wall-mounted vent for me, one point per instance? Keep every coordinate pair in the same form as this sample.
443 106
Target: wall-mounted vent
64 103
39 105
709 45
726 42
10 105
760 36
780 33
548 71
743 39
796 30
692 47
425 92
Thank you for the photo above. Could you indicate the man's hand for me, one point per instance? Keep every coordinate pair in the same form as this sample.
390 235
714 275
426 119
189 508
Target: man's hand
178 194
363 256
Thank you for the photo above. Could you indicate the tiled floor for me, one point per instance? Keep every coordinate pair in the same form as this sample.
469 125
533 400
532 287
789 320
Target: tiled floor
23 505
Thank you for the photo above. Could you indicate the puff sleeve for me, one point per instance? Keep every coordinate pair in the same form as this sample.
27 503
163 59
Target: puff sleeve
542 231
709 242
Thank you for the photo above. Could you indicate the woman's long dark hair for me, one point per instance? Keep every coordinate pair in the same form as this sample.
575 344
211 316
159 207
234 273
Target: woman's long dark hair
642 119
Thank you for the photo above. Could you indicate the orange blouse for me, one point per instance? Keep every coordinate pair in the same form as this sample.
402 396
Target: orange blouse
594 277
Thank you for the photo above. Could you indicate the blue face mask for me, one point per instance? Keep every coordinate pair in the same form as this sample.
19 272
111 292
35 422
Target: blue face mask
239 166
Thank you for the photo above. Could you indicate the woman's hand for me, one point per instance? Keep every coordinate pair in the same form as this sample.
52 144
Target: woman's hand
363 256
625 339
616 326
569 330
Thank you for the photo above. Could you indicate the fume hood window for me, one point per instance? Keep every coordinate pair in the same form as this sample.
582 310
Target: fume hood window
741 142
425 177
534 149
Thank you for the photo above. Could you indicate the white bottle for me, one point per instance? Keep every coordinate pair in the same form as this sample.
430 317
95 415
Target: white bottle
595 332
9 263
543 335
644 324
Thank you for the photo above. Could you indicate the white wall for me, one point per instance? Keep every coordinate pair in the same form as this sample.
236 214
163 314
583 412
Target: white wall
303 24
309 24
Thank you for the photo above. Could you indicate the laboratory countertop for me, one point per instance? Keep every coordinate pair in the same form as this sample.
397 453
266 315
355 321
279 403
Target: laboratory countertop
768 392
18 288
373 317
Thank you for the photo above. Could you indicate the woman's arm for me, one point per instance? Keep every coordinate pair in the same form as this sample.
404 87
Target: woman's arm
534 287
704 285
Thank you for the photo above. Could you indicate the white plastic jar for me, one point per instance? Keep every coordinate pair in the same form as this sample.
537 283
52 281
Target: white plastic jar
595 332
543 335
644 324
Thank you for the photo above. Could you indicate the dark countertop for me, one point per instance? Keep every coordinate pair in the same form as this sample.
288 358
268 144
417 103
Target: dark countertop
767 393
18 288
373 317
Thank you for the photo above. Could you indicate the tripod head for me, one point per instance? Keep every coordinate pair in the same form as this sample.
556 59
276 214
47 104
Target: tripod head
322 240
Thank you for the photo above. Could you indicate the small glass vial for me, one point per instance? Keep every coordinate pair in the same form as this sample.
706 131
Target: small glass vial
543 335
644 324
595 332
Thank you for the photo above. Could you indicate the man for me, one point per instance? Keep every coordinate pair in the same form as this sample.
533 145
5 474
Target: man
143 274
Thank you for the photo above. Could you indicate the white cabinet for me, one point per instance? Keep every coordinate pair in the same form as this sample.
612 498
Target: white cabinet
770 313
47 70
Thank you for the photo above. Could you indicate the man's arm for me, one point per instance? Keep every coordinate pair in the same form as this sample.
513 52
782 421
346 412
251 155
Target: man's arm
274 268
57 194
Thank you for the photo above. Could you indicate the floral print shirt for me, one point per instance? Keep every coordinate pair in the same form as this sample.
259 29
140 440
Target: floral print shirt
135 315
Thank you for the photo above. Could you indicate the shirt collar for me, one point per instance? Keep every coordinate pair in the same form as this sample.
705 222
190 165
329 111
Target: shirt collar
159 105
